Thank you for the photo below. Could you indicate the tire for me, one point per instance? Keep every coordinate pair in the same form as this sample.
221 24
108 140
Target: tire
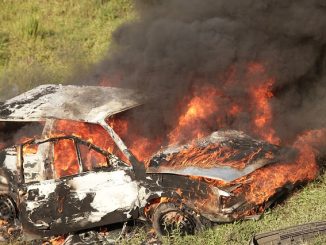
169 217
7 209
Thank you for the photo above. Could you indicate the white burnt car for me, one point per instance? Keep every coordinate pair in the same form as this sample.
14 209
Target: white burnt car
190 196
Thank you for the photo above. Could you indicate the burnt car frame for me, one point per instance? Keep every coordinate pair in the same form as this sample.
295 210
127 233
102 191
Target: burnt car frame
117 191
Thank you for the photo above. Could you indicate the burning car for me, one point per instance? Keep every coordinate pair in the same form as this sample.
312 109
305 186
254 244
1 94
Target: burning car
58 184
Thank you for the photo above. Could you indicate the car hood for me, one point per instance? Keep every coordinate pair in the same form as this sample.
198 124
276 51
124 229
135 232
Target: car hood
223 155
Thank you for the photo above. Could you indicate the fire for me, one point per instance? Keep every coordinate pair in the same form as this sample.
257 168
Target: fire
259 186
199 108
203 110
56 240
65 156
140 146
264 182
209 103
143 147
201 115
90 132
209 156
235 110
262 111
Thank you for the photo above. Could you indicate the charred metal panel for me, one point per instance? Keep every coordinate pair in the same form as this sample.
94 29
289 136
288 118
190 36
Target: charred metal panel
221 173
80 103
138 167
9 174
34 165
79 202
10 161
198 195
300 234
224 155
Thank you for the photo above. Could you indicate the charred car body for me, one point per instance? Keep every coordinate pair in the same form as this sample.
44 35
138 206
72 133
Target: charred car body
171 191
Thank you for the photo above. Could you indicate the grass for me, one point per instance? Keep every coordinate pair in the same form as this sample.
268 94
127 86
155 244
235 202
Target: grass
43 41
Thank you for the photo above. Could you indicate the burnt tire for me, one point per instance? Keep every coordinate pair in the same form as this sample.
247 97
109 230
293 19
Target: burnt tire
170 217
7 209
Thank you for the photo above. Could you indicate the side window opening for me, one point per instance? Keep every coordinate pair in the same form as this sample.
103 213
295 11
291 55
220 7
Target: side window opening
65 158
60 158
90 132
91 159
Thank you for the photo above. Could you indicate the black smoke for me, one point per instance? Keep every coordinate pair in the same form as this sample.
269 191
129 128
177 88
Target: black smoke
173 47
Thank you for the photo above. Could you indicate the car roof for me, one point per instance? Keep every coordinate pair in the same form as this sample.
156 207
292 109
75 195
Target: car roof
90 104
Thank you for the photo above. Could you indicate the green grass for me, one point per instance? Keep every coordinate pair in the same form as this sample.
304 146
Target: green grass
44 41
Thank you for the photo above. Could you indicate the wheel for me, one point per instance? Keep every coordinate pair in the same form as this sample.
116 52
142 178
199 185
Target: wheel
7 209
88 237
82 238
169 217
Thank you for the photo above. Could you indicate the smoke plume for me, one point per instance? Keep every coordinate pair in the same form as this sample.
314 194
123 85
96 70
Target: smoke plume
175 47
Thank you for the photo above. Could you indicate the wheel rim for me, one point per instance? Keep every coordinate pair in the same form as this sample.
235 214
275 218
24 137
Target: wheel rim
7 209
88 236
177 221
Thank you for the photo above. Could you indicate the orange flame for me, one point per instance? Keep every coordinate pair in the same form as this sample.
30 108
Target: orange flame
203 110
264 182
261 107
199 108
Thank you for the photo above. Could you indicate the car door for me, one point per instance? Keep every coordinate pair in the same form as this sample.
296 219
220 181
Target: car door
37 190
85 191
